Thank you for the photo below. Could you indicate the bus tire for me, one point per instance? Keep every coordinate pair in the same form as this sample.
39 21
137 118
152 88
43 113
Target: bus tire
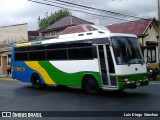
90 85
36 82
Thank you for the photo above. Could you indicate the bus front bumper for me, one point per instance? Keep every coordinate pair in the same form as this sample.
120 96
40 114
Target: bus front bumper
132 84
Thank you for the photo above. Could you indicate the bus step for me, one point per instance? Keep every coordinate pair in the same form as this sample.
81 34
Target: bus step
109 88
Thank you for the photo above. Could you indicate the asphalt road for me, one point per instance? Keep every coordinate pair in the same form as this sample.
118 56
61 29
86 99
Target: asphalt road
18 96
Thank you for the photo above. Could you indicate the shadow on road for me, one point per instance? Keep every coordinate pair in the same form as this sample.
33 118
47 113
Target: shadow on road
28 91
125 94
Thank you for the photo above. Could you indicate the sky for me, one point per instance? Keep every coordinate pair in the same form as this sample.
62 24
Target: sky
23 11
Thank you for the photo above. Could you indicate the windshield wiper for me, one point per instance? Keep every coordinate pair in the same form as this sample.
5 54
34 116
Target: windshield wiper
140 61
136 61
129 63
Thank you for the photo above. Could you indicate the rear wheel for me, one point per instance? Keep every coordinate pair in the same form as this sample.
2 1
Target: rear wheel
36 82
90 85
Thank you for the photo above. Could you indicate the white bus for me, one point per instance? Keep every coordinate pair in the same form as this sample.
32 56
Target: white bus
93 61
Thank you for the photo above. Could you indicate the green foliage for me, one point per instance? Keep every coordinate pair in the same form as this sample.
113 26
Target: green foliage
52 18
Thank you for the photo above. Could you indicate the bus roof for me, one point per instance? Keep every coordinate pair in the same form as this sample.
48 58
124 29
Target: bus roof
77 37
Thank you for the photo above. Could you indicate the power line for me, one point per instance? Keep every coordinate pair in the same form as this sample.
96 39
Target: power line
97 9
135 5
83 11
149 10
76 10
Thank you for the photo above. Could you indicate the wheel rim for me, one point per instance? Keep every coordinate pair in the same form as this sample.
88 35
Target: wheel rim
36 82
91 84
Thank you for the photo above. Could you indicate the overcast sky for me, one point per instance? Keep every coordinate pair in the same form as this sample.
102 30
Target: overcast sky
23 11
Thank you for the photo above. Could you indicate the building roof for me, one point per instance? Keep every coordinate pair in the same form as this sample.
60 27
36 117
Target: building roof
13 25
66 22
137 27
75 29
82 28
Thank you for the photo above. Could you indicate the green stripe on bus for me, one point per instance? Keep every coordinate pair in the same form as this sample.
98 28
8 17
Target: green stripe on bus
132 77
138 76
70 79
36 43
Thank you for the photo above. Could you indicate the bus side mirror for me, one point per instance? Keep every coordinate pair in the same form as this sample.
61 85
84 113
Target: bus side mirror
117 52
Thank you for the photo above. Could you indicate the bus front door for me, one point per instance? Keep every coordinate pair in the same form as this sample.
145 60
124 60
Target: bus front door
106 66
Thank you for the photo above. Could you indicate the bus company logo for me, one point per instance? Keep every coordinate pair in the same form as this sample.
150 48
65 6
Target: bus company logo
19 69
6 114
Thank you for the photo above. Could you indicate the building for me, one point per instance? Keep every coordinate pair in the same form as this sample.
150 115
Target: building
35 36
56 28
8 36
147 32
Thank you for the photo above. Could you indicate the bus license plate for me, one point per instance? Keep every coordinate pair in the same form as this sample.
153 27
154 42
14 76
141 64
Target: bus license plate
137 84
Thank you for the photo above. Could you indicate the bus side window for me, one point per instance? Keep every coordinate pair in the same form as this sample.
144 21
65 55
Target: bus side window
57 54
21 56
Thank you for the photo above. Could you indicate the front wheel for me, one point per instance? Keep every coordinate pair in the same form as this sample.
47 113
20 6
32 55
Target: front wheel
90 85
36 82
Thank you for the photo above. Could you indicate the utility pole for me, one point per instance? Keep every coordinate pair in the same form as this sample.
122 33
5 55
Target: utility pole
158 32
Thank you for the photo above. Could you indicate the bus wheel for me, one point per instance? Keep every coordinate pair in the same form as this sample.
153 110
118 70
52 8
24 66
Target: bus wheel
36 82
90 85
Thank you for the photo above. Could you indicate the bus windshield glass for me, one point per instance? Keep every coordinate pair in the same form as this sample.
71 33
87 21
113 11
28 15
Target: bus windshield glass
126 50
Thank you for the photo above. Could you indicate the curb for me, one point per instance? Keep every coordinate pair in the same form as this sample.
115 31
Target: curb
9 79
154 82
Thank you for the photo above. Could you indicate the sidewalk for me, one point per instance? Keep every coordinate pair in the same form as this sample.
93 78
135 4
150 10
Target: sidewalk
6 77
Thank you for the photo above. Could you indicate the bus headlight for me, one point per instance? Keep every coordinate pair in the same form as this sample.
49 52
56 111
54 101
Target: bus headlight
120 79
123 79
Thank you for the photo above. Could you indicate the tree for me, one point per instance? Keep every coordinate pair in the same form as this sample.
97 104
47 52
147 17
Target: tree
52 18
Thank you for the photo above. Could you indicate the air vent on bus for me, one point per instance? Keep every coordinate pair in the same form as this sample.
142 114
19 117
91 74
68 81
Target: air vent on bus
80 34
89 33
101 32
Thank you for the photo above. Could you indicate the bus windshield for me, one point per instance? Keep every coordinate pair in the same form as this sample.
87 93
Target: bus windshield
126 50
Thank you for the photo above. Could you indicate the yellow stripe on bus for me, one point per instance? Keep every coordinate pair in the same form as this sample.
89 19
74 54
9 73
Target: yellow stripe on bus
23 44
35 66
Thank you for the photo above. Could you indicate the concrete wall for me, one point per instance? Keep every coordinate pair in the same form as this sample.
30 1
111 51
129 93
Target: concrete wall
13 34
8 36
